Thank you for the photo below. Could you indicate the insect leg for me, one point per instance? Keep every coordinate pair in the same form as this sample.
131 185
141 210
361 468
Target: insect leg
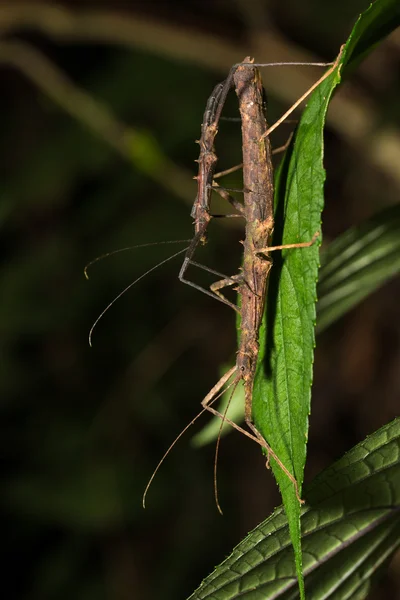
290 246
304 96
226 196
271 454
188 261
218 285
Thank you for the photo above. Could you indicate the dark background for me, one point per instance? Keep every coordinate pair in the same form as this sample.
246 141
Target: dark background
100 105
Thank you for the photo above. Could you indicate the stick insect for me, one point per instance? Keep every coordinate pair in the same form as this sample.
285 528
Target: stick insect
259 222
207 163
258 212
205 185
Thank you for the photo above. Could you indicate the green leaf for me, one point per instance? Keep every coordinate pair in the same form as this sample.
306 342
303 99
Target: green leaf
282 390
350 524
357 263
378 21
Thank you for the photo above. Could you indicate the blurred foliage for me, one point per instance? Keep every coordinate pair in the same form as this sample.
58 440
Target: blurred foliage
82 428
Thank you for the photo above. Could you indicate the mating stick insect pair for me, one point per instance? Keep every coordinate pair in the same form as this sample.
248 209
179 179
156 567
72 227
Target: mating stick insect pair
258 213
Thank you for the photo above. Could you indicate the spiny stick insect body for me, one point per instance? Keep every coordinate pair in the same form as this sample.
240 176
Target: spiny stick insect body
207 163
258 213
259 223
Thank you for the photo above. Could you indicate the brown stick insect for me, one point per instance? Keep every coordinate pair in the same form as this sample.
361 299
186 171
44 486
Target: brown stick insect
206 173
205 185
252 282
257 211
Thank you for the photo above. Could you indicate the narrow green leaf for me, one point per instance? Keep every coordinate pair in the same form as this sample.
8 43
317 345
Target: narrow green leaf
357 263
350 525
379 20
282 391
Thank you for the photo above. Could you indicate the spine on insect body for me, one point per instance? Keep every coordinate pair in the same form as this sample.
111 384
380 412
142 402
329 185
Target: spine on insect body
207 162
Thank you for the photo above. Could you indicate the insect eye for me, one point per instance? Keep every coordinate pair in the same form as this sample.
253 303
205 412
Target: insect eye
243 368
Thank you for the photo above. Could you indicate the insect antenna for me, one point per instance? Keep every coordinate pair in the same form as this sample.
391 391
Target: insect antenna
95 260
128 287
178 437
166 454
234 383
